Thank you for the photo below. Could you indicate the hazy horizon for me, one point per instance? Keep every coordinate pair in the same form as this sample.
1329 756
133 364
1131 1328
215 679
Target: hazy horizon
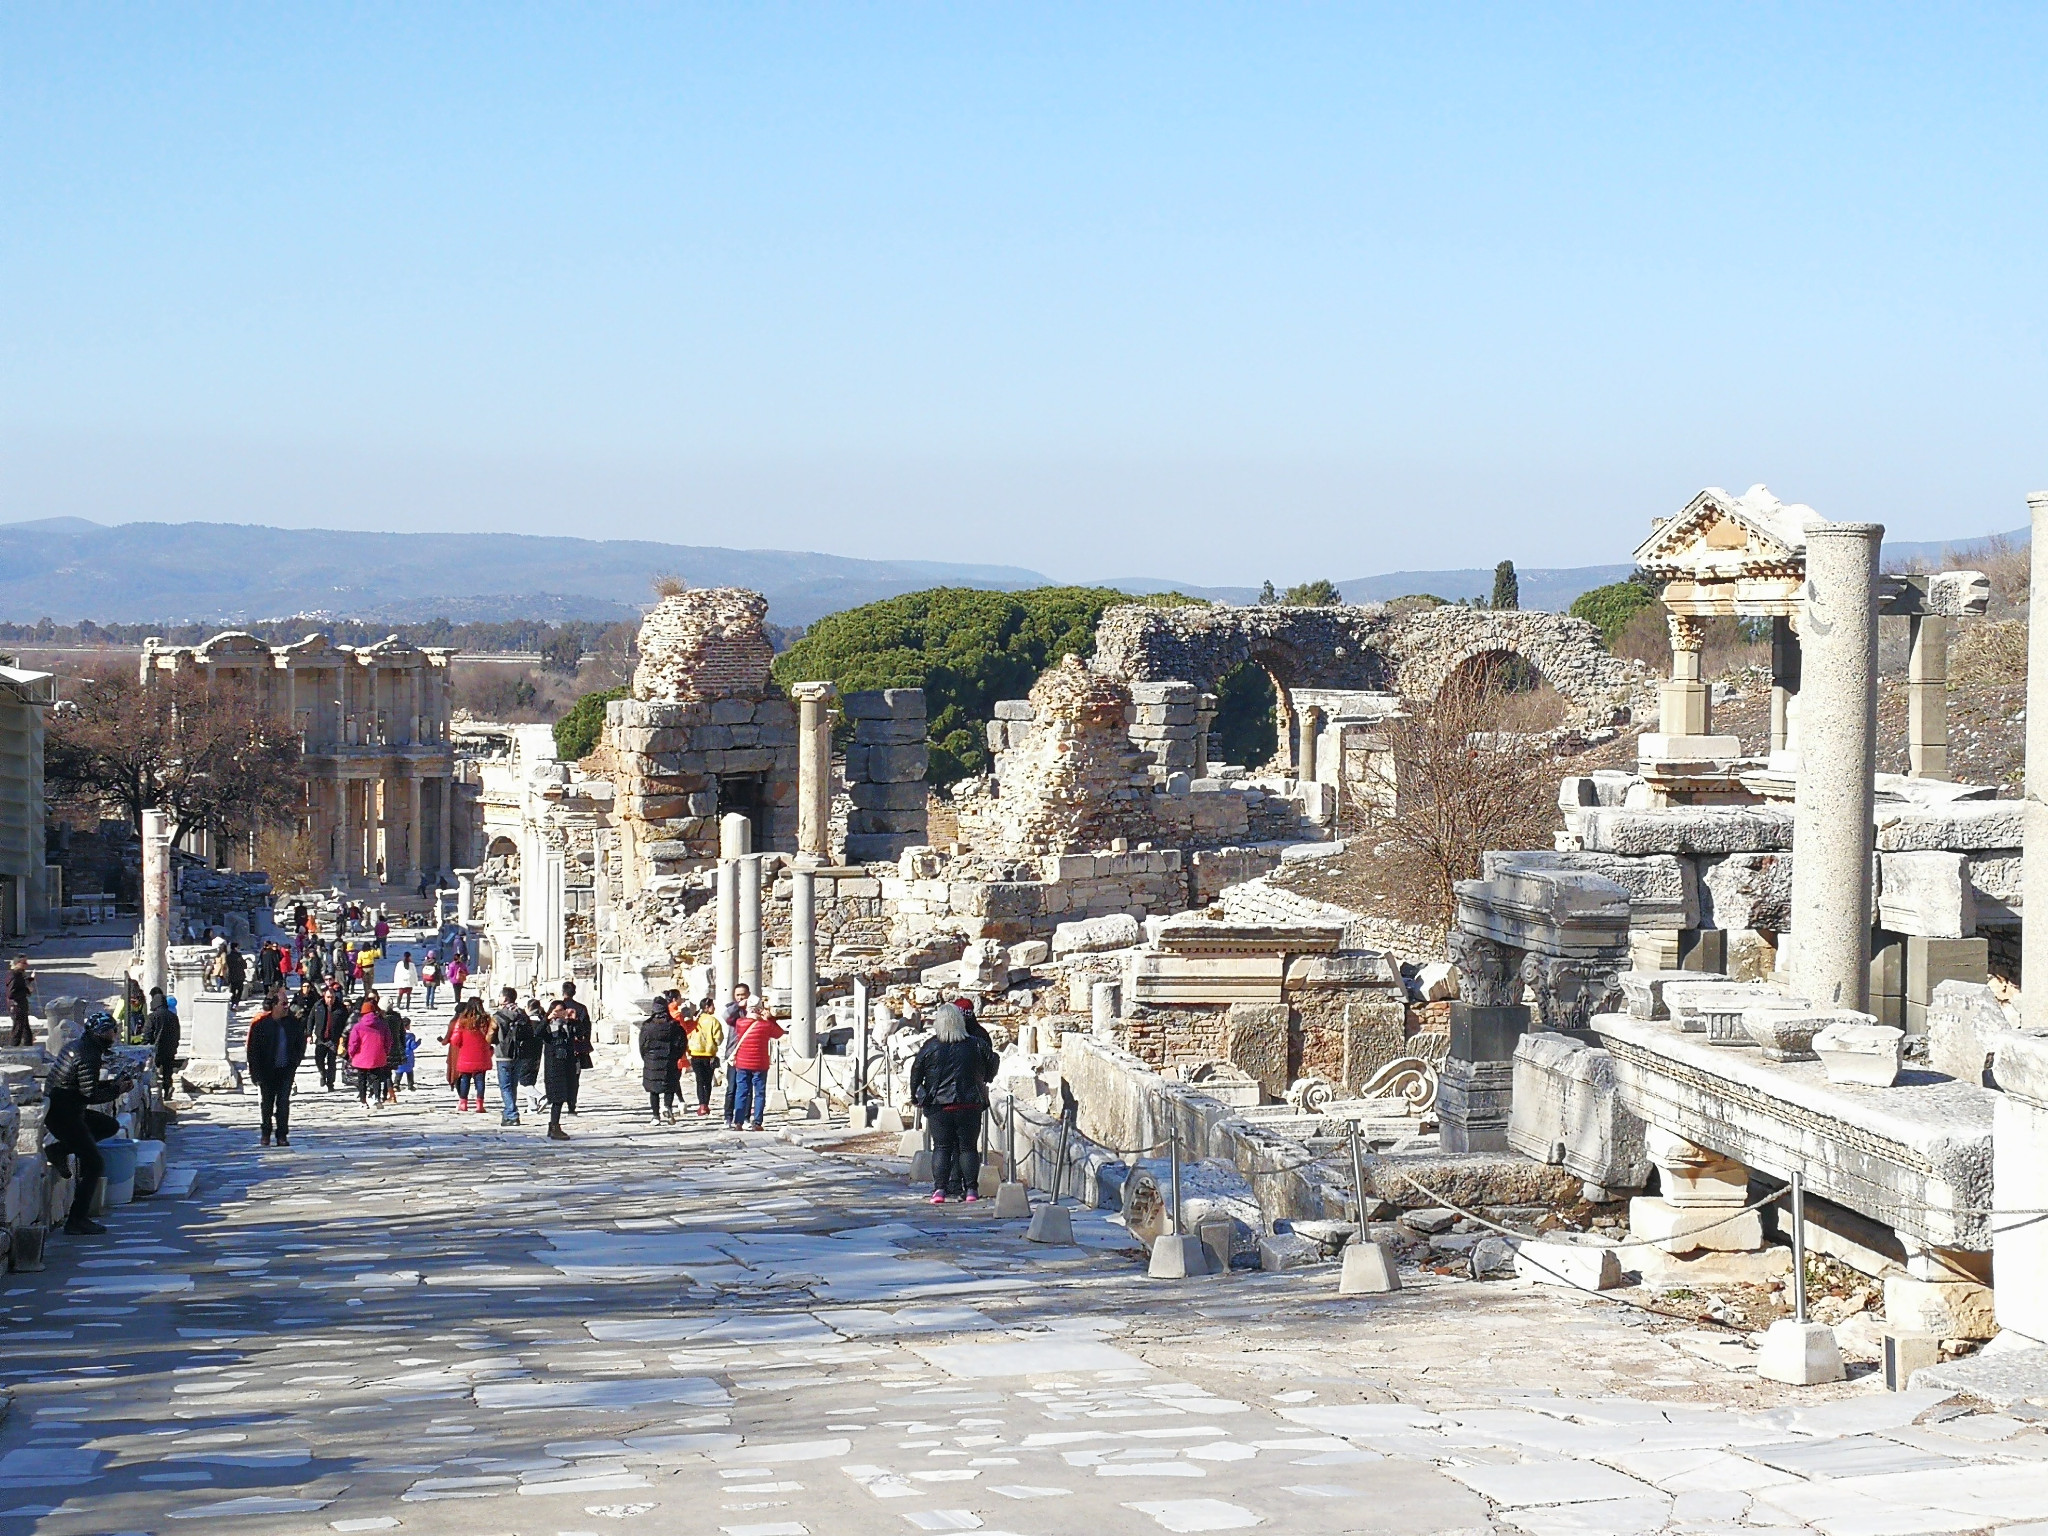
1211 295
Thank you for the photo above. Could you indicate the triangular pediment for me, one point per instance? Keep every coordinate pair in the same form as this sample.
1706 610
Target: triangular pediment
1720 535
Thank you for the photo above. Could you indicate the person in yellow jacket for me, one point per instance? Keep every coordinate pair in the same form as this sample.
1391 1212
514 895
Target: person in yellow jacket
702 1038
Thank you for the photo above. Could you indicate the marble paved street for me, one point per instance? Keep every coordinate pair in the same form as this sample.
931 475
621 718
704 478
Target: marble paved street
417 1321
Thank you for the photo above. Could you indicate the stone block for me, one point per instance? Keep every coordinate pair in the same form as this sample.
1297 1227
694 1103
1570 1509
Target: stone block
1800 1354
1855 1051
2020 1134
1746 890
1015 709
1437 982
1568 1112
1903 1353
1487 1034
1028 953
883 733
887 797
1644 991
1589 1265
1694 1176
1927 894
1662 888
1688 829
1996 881
1931 961
1218 1236
1094 935
1179 1257
1680 1229
884 704
1256 1042
1288 1250
911 827
879 763
1958 826
1948 1309
1785 1034
1704 950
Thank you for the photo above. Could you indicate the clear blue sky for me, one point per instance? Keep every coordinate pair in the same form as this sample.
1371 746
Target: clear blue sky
1211 293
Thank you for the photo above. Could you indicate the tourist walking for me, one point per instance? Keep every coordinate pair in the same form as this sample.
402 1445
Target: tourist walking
753 1045
402 978
661 1052
327 1025
74 1085
430 978
949 1082
458 976
276 1047
369 1052
21 987
561 1064
469 1054
509 1031
578 1019
163 1033
234 970
702 1043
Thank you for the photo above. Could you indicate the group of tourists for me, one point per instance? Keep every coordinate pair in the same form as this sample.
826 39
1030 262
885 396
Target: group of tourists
697 1038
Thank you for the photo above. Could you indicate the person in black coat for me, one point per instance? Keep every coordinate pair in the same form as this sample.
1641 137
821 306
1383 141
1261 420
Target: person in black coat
164 1033
277 1044
661 1049
949 1082
327 1024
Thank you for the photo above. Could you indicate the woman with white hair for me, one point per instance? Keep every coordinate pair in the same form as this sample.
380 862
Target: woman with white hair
949 1082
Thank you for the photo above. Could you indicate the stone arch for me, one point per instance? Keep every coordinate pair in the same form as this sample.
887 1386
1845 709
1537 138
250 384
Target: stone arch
1565 652
506 848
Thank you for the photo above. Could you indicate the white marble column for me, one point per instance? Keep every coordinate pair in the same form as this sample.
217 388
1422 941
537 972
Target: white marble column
735 836
726 959
1685 707
2034 879
465 897
156 901
750 922
1832 820
447 839
803 964
1784 690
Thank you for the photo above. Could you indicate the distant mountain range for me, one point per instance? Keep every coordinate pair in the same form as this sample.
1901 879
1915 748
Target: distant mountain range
67 568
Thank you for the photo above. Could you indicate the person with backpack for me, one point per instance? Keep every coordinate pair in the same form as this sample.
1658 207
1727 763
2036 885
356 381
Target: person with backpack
508 1034
753 1044
369 1052
578 1018
430 978
661 1050
458 976
949 1082
162 1031
702 1043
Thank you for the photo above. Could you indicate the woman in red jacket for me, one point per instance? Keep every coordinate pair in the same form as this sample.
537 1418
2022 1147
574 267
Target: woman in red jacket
754 1034
469 1052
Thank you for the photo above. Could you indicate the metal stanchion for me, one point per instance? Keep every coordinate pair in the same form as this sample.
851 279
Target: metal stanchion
1173 1155
1798 1246
1358 1178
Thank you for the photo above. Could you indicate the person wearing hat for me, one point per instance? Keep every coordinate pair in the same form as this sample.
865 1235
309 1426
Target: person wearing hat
74 1084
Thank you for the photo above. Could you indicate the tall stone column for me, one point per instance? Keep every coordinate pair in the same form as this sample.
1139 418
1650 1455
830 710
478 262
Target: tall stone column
814 772
1205 722
1832 826
465 897
345 826
726 959
1684 705
1927 696
156 901
2034 879
750 922
447 848
410 864
1311 741
803 964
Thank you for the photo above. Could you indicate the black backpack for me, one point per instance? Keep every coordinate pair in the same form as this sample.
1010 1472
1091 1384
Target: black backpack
510 1043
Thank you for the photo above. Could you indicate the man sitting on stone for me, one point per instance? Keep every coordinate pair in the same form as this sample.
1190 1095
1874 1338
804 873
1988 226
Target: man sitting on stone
77 1130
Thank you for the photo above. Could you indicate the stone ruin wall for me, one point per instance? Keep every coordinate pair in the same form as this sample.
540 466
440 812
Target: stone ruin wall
704 706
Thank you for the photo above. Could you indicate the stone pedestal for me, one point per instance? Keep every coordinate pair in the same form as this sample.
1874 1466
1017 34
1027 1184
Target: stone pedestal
2019 1242
1473 1099
1799 1354
1369 1270
1831 910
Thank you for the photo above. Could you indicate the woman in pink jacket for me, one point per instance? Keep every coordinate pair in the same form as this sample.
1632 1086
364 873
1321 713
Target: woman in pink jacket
369 1052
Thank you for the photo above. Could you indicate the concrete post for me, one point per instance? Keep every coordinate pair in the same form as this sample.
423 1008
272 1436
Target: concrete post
156 901
750 922
1927 697
803 964
814 772
2034 880
735 836
1832 828
726 958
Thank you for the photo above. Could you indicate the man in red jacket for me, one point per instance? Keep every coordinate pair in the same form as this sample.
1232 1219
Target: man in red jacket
754 1036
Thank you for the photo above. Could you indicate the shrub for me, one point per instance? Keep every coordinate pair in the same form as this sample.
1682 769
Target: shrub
577 732
1610 608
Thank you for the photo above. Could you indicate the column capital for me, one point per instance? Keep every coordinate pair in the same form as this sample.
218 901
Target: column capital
814 692
1687 632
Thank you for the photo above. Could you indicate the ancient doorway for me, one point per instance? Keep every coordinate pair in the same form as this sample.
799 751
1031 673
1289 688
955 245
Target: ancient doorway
745 794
